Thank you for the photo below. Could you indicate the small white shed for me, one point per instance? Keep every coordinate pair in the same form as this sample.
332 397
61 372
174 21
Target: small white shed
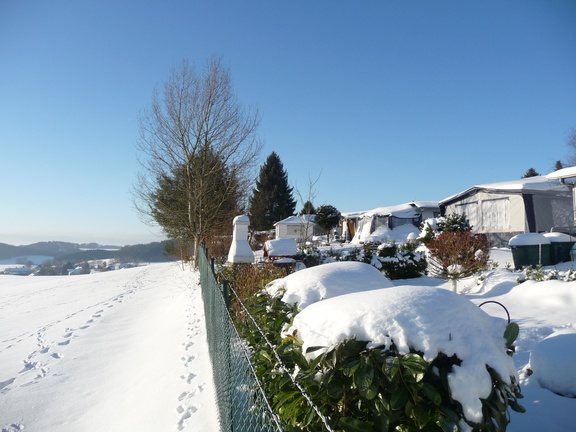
299 228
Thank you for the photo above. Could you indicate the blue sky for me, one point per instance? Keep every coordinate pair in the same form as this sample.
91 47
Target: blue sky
383 101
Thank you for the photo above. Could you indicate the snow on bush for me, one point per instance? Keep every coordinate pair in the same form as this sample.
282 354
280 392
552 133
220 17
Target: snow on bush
428 320
322 282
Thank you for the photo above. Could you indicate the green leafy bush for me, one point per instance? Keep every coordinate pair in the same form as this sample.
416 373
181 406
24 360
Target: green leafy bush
310 256
401 262
357 388
454 223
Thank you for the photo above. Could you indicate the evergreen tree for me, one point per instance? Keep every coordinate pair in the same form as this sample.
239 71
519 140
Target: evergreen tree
558 165
531 173
308 209
272 199
172 208
327 217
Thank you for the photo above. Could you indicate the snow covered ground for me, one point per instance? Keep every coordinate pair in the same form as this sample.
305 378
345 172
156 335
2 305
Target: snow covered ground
117 351
126 350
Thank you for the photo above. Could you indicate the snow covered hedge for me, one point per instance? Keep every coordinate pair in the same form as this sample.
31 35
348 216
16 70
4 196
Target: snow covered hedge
394 260
386 358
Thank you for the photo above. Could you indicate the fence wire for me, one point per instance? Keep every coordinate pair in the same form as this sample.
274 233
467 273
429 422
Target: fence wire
242 404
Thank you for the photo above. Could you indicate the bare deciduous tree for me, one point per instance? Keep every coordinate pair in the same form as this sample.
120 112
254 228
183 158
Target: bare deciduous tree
196 127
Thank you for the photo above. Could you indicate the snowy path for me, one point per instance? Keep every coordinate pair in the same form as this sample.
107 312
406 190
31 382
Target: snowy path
118 351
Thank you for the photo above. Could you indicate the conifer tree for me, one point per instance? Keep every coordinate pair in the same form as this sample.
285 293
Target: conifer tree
327 217
558 165
531 173
307 209
272 198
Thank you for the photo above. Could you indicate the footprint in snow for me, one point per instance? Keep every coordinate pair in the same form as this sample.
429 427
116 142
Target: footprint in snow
188 378
184 395
14 427
66 342
188 345
188 360
6 383
186 414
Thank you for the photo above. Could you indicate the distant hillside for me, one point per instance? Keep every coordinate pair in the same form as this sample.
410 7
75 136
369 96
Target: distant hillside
65 252
151 252
9 251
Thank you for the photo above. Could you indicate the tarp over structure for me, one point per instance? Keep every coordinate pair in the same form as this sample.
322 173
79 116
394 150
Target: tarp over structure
505 209
349 222
378 224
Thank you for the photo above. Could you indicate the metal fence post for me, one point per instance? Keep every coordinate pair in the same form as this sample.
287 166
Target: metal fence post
226 293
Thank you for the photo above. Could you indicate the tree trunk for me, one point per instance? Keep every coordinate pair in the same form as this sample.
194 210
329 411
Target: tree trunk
196 249
454 285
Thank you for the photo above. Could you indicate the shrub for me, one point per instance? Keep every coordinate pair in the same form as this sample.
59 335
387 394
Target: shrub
247 280
310 256
401 262
358 388
458 254
454 223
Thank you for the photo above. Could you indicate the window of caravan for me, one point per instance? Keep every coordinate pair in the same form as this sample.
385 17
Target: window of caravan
471 212
380 221
496 214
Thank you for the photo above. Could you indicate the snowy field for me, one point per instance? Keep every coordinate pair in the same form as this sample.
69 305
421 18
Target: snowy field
117 351
126 350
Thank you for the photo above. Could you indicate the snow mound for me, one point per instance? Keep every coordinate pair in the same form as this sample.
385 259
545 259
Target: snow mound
325 281
427 319
553 362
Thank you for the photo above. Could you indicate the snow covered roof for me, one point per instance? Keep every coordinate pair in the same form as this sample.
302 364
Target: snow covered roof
402 210
537 183
426 204
353 215
296 220
408 210
562 174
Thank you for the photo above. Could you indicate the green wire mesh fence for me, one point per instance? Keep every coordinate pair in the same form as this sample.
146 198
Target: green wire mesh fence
242 404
